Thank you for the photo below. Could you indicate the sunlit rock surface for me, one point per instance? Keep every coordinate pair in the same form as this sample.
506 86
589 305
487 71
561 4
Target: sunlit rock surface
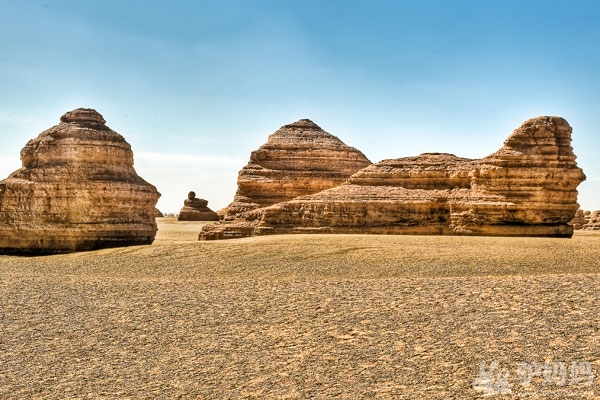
527 188
195 209
298 159
77 190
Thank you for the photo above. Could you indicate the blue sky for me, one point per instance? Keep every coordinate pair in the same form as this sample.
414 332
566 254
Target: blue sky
195 86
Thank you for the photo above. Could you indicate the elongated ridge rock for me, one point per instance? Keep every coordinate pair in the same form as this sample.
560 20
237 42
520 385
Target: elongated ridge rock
527 188
77 190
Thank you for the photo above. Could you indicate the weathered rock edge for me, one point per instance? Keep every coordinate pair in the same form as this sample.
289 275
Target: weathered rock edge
298 159
77 190
526 188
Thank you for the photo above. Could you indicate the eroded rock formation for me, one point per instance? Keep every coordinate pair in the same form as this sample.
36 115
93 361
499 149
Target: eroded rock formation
592 222
298 159
76 190
586 220
527 188
195 209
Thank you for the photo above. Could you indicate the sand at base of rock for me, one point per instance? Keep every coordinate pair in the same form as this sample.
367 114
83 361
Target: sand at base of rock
299 316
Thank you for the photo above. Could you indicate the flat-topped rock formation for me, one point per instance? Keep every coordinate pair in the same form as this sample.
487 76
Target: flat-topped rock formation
195 209
76 190
527 188
298 159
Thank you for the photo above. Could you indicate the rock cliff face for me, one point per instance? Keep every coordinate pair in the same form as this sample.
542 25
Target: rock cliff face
297 160
195 209
77 190
527 188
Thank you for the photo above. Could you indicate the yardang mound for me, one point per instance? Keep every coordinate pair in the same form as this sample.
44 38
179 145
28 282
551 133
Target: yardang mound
77 190
298 159
527 188
195 209
586 220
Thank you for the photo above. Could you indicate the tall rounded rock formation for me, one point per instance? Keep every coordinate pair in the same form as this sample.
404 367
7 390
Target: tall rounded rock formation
76 190
298 159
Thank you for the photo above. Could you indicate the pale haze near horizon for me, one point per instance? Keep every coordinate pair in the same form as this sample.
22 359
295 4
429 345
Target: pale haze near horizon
195 86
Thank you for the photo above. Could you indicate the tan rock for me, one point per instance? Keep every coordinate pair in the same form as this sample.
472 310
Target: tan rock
578 220
586 220
527 188
592 221
297 160
195 209
77 190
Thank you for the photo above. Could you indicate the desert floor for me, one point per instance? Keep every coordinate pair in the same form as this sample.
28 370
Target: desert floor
305 316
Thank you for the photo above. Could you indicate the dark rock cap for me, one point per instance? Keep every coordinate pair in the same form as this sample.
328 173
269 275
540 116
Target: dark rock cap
303 123
84 117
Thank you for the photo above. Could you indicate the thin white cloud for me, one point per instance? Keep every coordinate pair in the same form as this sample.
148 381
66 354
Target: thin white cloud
184 162
9 164
213 177
5 118
12 118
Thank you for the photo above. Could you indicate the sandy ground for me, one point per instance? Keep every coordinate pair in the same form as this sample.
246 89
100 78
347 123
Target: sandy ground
296 317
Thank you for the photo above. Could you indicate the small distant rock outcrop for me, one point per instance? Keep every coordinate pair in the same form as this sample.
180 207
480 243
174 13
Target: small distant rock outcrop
195 209
527 188
298 159
77 190
586 220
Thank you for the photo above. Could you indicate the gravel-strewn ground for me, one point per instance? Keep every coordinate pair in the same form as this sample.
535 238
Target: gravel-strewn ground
347 316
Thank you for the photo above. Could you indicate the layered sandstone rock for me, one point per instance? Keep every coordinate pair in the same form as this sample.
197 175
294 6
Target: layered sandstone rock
298 159
77 190
195 209
592 222
527 188
579 219
586 220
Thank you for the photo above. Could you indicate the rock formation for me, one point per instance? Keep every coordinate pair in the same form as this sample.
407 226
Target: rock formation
592 221
77 190
527 188
586 220
298 159
579 219
195 209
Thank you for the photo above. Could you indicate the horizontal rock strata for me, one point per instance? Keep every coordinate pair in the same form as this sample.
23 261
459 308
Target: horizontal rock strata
592 222
76 190
195 209
586 220
298 159
527 188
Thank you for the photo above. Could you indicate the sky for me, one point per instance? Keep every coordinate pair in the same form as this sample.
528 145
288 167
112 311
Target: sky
195 86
